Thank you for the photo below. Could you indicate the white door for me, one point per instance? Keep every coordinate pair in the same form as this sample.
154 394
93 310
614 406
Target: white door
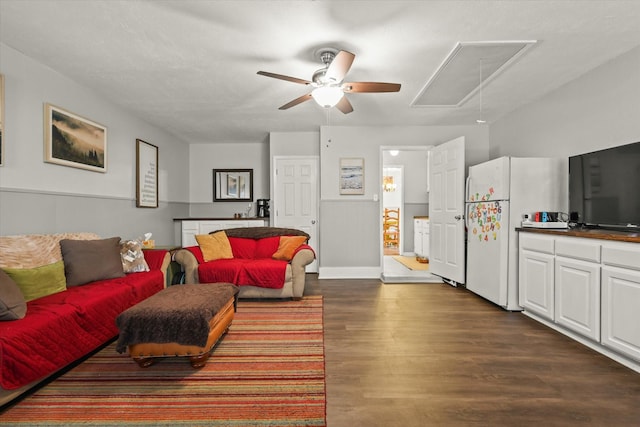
446 211
295 198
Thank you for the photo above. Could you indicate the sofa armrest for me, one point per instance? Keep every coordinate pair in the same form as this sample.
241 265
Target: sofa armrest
158 259
189 264
301 259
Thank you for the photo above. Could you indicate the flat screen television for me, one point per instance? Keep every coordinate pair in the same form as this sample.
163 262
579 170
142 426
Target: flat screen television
604 188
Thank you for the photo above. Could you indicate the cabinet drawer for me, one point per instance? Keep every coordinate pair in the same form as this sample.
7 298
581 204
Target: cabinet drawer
536 243
578 249
191 226
625 255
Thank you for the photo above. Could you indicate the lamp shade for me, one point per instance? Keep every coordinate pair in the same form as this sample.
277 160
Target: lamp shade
327 96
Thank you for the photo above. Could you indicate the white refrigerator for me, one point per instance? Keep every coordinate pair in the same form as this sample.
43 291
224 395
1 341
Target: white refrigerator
498 193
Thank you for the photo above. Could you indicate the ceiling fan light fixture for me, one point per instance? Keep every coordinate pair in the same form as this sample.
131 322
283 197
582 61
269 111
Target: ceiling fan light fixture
327 96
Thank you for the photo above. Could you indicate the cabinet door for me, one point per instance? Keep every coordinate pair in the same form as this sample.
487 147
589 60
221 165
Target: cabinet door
536 288
577 296
425 239
418 247
207 227
189 231
621 310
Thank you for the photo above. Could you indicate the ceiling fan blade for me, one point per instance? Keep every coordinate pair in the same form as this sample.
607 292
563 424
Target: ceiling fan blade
344 105
355 87
283 77
340 66
296 101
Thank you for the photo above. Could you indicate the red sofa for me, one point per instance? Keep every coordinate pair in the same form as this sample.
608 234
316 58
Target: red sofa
257 264
65 326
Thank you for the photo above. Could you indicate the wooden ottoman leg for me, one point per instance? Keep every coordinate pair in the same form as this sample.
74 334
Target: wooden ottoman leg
199 361
145 362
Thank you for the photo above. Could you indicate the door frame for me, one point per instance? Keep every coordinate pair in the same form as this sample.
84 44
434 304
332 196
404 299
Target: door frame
403 221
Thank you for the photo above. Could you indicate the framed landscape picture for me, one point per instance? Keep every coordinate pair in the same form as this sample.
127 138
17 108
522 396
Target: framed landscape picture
352 176
72 140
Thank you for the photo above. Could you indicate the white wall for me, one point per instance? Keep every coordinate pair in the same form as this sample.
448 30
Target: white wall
599 110
41 197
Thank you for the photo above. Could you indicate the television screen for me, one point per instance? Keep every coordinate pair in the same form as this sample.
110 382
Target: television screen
604 188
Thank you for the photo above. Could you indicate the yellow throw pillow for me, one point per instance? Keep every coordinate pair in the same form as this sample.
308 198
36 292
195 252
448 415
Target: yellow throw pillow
215 246
39 281
287 247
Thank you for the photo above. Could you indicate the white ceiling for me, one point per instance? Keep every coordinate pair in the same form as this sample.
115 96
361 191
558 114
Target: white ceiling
190 66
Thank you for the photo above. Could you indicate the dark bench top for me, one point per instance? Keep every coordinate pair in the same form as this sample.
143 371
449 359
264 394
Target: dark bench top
179 313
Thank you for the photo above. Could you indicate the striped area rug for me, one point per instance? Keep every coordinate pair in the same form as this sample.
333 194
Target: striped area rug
267 371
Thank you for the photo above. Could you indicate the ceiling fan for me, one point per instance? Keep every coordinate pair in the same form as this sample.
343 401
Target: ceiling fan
327 82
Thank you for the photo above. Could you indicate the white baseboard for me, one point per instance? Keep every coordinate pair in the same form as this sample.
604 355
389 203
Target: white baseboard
349 273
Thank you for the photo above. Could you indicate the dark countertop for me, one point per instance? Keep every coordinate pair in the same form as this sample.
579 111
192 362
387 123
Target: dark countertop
220 219
620 236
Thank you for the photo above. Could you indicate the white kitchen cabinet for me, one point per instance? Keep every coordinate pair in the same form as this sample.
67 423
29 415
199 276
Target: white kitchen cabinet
421 237
621 298
536 275
577 285
577 296
592 293
190 228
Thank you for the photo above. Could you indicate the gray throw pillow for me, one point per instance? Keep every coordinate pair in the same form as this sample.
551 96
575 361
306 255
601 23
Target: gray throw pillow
90 260
12 303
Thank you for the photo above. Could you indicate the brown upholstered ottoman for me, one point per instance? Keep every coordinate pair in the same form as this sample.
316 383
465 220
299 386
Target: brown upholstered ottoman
181 320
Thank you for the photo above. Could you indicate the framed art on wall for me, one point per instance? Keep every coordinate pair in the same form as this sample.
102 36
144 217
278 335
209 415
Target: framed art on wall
146 175
352 175
233 185
72 140
1 120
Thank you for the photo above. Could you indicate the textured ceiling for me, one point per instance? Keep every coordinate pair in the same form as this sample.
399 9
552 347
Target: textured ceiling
190 66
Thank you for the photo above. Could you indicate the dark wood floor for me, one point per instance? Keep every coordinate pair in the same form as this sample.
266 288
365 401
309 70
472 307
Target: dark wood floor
434 355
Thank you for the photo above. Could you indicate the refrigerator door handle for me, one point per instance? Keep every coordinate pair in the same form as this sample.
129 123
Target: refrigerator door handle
466 188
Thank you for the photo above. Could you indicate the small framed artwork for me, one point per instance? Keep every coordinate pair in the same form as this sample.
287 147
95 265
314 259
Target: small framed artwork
232 186
352 175
146 175
72 140
1 120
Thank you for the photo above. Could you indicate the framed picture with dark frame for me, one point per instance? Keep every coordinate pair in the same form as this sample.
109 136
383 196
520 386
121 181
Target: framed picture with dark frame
2 138
233 185
75 141
146 175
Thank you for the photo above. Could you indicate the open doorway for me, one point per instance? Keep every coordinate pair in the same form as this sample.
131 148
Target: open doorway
404 184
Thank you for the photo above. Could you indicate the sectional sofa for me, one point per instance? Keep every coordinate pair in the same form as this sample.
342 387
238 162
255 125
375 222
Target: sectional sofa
59 297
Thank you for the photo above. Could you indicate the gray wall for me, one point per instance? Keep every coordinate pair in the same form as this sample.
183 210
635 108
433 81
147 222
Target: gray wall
39 197
599 110
350 226
222 155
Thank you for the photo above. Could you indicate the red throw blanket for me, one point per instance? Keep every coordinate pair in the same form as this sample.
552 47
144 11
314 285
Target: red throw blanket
40 344
266 273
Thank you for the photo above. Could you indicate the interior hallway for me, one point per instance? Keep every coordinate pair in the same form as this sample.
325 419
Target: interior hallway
394 272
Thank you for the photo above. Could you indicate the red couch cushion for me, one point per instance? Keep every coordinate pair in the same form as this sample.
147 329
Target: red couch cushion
61 328
266 273
243 248
267 247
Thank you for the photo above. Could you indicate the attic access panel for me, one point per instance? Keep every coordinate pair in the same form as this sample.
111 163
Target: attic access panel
458 77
